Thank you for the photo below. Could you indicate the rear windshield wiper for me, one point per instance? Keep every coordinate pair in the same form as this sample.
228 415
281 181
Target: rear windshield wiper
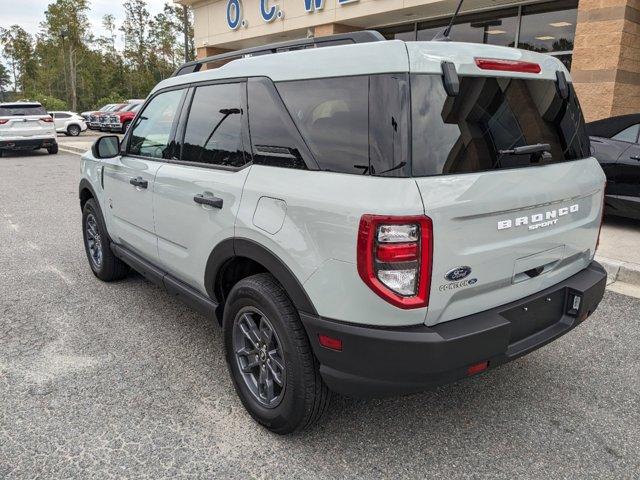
544 149
527 149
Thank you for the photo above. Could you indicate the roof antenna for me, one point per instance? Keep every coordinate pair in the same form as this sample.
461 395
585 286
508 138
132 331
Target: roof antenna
444 35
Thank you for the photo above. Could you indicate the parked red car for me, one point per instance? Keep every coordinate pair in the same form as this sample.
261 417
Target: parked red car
119 121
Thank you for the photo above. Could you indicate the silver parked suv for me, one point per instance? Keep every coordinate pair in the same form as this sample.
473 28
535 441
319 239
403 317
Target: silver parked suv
370 217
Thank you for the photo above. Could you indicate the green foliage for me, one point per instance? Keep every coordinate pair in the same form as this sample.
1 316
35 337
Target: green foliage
51 103
66 63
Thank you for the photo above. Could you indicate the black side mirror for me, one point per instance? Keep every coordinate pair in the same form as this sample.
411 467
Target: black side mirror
562 84
450 79
106 147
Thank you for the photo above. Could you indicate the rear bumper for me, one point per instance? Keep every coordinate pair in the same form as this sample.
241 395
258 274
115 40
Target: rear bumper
383 361
27 144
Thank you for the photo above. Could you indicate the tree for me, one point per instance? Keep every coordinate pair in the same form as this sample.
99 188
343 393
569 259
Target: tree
17 47
5 81
135 29
66 25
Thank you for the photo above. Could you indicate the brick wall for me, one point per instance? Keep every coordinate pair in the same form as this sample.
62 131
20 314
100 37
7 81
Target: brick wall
606 58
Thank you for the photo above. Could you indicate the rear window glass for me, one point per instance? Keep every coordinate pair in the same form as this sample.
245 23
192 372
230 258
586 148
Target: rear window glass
467 133
21 110
629 134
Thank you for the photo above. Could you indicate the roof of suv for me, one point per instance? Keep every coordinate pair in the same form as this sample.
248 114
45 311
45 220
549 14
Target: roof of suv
390 56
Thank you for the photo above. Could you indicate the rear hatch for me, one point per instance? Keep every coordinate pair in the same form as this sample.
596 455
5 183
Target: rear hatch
506 224
23 120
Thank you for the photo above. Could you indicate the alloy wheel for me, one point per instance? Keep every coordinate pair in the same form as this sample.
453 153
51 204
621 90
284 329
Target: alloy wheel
259 356
94 241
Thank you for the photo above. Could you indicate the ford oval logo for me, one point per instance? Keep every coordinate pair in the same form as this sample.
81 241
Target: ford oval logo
458 273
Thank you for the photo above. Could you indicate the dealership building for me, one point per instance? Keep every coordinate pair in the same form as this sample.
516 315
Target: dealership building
599 40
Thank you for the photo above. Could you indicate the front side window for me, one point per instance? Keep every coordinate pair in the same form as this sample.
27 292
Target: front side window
475 130
151 134
213 134
629 134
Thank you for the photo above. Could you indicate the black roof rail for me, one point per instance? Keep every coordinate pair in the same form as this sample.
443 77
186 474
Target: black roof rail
363 36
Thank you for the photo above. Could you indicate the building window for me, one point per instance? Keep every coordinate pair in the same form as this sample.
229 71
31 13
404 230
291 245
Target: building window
547 27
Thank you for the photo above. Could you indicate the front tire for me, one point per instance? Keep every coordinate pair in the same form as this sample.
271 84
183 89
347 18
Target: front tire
53 149
104 264
270 360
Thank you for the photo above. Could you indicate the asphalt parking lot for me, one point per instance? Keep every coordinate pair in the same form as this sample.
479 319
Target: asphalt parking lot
120 381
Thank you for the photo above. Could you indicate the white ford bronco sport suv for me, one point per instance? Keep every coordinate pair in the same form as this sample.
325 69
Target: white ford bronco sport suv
370 217
26 126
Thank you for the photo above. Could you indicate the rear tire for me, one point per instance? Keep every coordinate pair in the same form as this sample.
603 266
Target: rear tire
256 306
73 130
104 264
53 149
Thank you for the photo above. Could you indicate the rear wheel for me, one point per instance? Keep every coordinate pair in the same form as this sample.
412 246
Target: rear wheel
104 264
270 359
73 130
53 149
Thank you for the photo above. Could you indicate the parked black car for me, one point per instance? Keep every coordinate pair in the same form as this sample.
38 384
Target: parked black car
615 142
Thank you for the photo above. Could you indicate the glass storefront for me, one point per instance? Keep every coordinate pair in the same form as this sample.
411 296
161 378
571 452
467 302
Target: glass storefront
543 27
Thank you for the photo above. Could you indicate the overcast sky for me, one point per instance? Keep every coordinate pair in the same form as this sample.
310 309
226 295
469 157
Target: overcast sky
29 13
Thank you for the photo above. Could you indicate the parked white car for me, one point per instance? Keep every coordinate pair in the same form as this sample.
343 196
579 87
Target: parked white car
26 126
69 123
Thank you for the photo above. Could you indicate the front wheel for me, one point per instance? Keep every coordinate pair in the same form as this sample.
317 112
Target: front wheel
104 264
270 359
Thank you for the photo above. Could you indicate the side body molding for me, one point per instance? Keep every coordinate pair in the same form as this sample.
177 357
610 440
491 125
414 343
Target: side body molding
245 248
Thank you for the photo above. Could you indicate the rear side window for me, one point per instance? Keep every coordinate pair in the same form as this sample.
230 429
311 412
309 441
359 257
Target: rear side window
467 133
356 125
629 134
21 110
62 115
332 115
213 133
274 137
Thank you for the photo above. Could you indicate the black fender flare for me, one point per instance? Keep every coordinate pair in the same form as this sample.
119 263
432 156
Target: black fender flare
246 248
86 185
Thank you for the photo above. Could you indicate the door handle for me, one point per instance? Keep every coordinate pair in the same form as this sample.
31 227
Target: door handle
139 182
635 157
214 202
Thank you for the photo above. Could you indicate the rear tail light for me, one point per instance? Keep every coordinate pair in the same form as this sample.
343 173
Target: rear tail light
2 122
395 256
46 119
507 65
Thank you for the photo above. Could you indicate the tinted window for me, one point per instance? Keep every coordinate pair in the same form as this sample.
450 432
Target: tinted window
466 133
389 133
274 137
152 131
332 116
214 129
629 134
21 110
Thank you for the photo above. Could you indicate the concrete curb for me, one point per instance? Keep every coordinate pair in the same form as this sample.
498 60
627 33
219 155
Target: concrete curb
71 148
618 271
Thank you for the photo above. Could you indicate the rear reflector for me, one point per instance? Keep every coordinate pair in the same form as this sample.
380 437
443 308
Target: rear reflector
329 342
507 65
398 252
477 368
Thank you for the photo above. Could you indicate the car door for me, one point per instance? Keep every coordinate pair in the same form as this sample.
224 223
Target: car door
60 120
628 178
129 180
622 144
197 196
